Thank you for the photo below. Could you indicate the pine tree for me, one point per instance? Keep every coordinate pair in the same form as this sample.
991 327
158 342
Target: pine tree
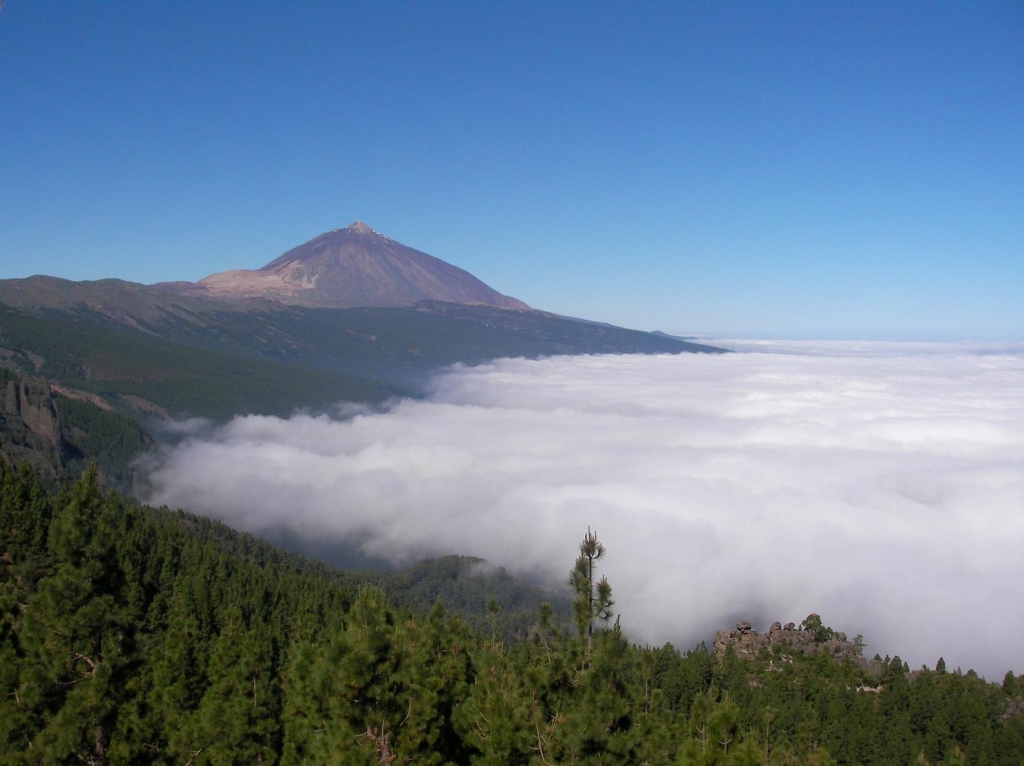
77 637
1011 685
432 681
494 720
175 677
236 721
343 703
599 725
593 600
24 520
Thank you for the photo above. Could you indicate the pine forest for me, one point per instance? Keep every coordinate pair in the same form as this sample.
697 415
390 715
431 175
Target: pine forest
134 635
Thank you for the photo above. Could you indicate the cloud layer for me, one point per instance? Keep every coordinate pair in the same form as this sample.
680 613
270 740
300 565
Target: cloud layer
881 485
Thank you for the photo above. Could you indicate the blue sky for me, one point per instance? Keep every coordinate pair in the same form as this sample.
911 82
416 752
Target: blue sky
815 169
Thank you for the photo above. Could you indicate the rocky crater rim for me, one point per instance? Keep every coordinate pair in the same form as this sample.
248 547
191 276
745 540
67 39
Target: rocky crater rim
360 228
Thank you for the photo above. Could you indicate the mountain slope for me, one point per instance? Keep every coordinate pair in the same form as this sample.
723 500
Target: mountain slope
60 430
354 266
349 316
135 371
223 362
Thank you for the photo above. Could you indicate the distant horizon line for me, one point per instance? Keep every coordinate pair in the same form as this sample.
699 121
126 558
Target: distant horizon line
865 336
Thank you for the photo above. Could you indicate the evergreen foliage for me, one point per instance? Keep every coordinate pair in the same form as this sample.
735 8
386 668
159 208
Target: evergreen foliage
140 635
201 358
88 351
593 598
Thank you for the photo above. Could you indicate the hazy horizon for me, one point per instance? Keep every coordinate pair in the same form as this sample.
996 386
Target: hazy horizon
937 336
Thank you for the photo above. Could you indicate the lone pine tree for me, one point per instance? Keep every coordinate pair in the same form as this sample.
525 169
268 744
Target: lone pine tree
593 600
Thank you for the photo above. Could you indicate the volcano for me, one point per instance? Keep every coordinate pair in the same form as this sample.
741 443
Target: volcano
354 267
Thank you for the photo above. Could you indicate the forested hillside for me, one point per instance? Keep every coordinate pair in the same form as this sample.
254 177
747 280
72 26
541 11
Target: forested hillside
137 635
141 374
216 363
132 353
60 431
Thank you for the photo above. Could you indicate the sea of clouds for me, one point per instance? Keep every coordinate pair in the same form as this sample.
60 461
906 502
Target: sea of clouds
878 484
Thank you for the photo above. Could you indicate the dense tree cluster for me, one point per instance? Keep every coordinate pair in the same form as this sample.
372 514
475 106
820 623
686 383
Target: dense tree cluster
138 635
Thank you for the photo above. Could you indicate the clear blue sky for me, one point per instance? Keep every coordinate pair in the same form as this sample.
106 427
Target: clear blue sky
758 168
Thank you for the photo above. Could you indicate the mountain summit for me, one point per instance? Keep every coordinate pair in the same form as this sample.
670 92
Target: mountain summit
355 266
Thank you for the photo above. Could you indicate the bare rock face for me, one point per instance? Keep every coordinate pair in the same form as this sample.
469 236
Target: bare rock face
810 639
37 411
1014 708
350 267
30 427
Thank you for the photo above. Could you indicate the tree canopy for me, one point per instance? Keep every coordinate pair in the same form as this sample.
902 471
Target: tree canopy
146 636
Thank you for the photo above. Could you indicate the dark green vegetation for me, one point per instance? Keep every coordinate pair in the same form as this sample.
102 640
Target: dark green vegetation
397 348
147 353
134 635
140 373
59 433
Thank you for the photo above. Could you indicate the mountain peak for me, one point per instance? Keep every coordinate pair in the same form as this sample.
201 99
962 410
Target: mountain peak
356 266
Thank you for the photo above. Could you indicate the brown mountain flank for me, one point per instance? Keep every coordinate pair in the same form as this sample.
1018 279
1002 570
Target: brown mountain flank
351 267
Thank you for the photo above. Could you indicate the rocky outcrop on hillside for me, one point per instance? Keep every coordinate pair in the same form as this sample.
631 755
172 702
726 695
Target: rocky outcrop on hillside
59 431
1014 708
29 423
809 638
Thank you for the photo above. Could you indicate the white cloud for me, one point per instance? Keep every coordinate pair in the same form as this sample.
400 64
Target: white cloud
187 427
881 485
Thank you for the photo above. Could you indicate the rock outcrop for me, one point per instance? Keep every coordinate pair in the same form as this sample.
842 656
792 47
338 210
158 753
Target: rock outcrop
59 431
810 638
30 426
